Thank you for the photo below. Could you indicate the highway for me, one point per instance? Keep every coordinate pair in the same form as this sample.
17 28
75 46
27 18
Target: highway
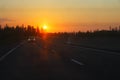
41 60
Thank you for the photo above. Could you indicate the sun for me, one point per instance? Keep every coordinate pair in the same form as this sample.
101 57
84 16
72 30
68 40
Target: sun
45 27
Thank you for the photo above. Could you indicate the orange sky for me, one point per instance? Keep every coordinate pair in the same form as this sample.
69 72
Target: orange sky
61 15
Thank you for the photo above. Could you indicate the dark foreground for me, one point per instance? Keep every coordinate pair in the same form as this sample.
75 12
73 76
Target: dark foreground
51 61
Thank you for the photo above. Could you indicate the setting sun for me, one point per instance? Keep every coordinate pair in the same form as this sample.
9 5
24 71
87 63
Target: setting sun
45 27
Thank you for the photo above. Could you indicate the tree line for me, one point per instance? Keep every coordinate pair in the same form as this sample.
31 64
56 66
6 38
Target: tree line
21 32
18 32
111 32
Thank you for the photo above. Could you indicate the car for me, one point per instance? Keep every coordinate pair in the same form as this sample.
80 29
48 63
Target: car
31 39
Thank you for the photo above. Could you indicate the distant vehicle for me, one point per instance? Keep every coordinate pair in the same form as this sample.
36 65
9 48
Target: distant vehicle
31 39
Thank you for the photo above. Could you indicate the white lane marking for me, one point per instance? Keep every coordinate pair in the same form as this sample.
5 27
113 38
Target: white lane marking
75 61
53 51
105 51
1 58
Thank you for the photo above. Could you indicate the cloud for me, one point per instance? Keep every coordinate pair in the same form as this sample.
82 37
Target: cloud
5 20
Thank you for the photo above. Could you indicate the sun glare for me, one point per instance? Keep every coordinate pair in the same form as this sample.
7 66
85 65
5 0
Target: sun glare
45 27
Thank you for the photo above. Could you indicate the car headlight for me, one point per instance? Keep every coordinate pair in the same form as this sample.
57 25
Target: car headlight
34 39
28 39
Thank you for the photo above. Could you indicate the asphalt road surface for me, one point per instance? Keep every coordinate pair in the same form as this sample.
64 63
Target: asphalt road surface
40 60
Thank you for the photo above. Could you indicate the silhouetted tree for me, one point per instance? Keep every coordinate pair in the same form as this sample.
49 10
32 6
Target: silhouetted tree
22 32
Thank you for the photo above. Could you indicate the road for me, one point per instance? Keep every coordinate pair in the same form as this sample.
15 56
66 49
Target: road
40 60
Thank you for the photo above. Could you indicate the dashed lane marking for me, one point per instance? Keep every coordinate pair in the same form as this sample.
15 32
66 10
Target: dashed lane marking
53 51
75 61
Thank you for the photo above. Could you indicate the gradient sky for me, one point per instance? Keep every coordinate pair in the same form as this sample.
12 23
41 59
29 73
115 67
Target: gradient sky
61 15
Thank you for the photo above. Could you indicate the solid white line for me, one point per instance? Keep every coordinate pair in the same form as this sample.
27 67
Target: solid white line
80 63
1 58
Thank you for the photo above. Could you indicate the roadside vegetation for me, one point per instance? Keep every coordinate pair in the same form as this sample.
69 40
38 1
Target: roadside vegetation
17 33
10 34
